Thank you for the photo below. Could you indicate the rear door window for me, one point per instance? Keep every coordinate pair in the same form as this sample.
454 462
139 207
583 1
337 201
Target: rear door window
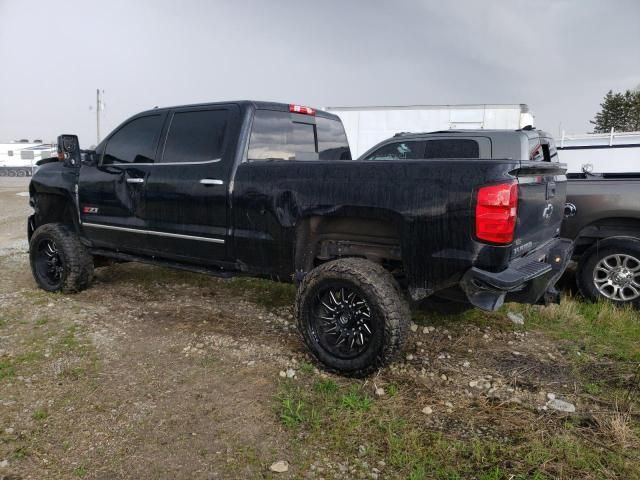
399 151
279 135
332 140
196 136
135 142
452 148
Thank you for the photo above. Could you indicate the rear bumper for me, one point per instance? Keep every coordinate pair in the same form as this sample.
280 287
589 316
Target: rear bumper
529 279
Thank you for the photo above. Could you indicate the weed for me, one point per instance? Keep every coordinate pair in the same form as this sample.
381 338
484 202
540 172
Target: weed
306 368
615 427
291 412
19 453
80 471
418 473
7 370
592 388
326 386
39 414
494 474
392 389
208 361
356 400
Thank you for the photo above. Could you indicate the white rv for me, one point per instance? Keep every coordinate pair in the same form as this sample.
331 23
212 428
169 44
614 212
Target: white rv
613 153
366 126
17 159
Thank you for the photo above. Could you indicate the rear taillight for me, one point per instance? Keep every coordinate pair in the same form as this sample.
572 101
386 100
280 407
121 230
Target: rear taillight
301 109
496 212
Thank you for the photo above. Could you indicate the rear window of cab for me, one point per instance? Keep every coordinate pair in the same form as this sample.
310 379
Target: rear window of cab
277 135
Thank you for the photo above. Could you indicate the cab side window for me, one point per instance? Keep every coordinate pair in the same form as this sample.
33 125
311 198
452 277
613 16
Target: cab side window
135 142
196 136
399 151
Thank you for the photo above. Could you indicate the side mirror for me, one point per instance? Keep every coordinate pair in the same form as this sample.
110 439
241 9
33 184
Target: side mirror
69 150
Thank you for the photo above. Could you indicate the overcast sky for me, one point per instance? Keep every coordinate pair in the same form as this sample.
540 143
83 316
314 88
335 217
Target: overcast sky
560 57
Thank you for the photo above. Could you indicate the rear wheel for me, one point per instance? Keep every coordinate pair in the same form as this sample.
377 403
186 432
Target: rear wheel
611 272
59 261
351 315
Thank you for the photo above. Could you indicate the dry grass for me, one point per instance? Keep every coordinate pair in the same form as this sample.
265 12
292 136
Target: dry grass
615 427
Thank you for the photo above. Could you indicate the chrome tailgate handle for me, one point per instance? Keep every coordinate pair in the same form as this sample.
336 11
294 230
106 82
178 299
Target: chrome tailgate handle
211 181
135 180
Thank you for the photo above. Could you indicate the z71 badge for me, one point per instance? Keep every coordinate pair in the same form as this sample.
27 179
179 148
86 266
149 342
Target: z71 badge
89 209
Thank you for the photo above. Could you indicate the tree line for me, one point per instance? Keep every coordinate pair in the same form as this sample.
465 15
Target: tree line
620 111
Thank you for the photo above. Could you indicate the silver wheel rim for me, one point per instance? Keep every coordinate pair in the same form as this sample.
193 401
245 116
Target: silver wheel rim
617 277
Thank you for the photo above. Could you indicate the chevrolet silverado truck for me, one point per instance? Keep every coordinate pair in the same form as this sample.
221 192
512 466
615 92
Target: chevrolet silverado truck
270 190
604 221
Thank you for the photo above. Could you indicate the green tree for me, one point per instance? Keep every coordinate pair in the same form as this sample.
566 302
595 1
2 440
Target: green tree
620 111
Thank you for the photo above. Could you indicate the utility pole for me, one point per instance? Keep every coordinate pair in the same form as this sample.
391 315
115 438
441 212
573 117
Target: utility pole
98 107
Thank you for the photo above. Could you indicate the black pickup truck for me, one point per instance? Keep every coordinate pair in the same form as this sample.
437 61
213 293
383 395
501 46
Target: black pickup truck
604 221
267 189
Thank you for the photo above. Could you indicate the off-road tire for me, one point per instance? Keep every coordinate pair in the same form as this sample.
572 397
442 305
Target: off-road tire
77 262
589 260
390 313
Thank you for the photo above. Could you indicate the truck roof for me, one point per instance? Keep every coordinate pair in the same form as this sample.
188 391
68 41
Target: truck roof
254 104
529 132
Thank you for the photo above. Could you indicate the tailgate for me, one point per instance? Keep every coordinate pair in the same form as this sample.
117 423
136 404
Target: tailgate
541 199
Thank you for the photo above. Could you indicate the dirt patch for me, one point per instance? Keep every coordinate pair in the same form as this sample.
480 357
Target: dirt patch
531 373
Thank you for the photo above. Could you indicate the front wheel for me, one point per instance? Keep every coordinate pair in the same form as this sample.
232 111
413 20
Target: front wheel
59 261
351 315
611 272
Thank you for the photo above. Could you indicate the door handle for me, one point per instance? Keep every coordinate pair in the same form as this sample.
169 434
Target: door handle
211 181
135 180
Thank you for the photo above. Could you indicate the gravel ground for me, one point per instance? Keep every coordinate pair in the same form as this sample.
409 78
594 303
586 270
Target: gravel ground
14 209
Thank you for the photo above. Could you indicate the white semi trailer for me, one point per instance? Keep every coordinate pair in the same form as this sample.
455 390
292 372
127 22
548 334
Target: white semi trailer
608 153
366 126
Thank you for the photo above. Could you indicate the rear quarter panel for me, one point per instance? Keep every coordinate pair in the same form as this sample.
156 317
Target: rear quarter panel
429 202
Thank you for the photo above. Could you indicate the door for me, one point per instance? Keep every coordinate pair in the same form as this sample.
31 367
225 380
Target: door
186 194
110 194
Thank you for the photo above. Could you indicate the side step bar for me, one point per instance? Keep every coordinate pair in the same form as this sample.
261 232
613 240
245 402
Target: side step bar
212 271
